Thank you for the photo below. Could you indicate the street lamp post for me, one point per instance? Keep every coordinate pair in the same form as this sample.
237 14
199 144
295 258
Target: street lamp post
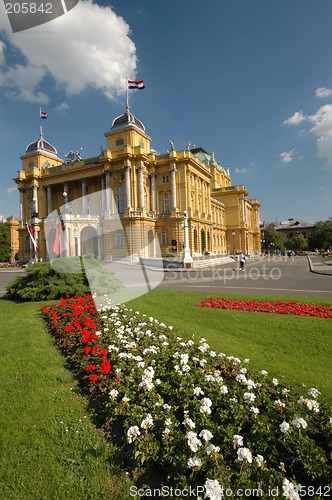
247 249
186 257
233 233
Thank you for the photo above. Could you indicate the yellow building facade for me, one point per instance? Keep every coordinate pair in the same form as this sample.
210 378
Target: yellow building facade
122 200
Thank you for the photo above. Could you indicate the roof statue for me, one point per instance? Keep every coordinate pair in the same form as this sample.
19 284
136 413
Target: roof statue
73 157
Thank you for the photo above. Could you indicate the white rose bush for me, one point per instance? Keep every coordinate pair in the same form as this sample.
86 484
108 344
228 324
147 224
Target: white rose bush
196 416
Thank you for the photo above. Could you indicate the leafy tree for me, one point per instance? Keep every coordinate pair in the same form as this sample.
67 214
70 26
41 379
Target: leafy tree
298 242
273 239
321 236
4 243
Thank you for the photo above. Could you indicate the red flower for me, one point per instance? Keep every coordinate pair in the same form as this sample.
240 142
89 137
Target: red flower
87 349
105 366
69 328
90 367
93 378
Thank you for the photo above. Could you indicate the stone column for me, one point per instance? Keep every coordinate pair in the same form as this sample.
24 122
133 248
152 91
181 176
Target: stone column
49 199
173 187
102 185
78 245
153 192
21 190
140 171
127 169
83 181
35 236
35 198
107 190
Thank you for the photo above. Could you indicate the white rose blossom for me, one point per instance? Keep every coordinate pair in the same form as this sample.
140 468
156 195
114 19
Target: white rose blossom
132 433
212 449
300 422
284 427
238 440
289 490
206 435
244 454
213 489
194 462
259 460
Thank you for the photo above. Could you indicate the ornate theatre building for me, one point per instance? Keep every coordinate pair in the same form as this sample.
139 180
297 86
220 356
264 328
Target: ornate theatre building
129 193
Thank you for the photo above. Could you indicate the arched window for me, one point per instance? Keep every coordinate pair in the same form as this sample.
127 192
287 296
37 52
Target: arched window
166 203
121 199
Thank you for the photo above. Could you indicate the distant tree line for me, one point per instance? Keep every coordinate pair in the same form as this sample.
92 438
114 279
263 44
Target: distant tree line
321 238
4 243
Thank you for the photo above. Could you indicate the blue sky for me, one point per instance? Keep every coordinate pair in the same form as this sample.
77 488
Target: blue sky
250 80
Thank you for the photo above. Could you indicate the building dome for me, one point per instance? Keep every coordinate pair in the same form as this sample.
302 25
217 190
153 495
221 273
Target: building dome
41 146
127 120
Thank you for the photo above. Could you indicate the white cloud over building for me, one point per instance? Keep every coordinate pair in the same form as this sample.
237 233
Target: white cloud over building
89 47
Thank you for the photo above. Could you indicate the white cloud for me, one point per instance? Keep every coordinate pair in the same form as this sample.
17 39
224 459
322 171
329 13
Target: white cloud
287 157
296 119
11 190
2 53
87 47
241 170
323 130
323 92
62 107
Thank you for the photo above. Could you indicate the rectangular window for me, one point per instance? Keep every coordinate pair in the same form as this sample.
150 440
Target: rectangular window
31 164
119 142
119 238
164 179
141 144
164 237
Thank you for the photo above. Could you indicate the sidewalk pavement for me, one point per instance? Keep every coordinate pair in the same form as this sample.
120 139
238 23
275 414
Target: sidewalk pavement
319 265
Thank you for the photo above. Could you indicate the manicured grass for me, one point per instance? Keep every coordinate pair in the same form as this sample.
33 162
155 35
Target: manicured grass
50 448
295 349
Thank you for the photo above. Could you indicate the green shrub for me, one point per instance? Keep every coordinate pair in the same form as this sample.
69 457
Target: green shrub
44 282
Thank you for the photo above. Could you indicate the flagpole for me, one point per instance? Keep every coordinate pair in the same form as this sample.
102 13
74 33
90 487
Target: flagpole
40 123
127 107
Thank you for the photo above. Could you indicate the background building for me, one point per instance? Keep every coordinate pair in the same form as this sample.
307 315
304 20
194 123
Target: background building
147 192
291 228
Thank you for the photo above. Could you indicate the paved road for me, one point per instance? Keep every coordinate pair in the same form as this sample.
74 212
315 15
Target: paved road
283 276
8 275
278 277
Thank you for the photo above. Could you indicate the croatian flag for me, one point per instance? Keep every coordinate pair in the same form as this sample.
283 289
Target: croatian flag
30 230
56 244
43 115
136 85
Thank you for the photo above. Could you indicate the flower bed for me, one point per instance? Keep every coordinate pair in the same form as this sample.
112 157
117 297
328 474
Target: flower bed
298 308
5 265
201 417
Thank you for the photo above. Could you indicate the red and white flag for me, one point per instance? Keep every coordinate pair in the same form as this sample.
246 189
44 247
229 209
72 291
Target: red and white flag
56 244
30 231
136 84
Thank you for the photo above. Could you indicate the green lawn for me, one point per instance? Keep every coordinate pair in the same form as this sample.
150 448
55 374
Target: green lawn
295 349
50 448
